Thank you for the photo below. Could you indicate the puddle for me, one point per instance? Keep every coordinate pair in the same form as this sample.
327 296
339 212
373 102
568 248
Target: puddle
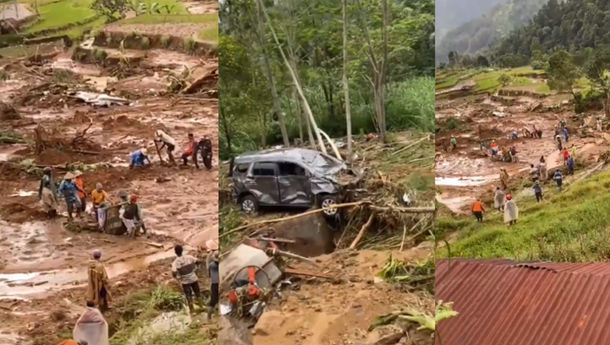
23 193
7 152
24 284
467 181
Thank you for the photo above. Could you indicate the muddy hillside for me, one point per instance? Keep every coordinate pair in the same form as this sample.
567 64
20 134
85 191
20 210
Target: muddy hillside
476 119
87 108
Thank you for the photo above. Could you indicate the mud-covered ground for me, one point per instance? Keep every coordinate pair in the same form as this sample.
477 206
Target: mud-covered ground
320 311
467 173
42 263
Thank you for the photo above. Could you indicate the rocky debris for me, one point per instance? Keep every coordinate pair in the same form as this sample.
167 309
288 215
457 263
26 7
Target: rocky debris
8 112
385 335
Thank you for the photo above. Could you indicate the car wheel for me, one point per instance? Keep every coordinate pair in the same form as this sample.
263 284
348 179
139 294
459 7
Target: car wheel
249 204
327 203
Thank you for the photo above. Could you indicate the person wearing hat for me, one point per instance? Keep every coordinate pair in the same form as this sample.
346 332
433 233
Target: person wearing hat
98 286
168 142
511 211
70 192
47 192
80 183
132 216
190 151
139 158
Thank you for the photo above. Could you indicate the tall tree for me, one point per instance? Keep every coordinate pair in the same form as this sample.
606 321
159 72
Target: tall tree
562 72
598 70
348 116
277 110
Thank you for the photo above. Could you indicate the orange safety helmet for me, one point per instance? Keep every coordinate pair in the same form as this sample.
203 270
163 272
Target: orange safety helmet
508 196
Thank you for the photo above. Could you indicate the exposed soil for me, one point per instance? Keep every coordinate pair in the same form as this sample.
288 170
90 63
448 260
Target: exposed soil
42 261
316 311
468 172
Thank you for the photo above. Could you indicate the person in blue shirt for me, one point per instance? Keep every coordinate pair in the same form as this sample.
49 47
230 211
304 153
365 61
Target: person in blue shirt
139 158
565 134
69 190
558 177
570 164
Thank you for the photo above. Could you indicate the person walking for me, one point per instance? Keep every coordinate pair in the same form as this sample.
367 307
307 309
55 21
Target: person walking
98 286
511 211
70 192
570 164
477 210
212 266
499 199
538 191
558 177
565 134
183 270
47 193
82 196
542 171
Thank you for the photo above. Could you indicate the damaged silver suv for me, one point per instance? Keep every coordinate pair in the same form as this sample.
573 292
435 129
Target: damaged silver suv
286 177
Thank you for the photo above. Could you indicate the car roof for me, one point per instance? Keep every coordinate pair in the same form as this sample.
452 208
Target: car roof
291 155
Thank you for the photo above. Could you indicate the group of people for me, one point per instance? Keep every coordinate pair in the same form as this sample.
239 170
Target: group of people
505 155
92 328
503 202
72 190
194 150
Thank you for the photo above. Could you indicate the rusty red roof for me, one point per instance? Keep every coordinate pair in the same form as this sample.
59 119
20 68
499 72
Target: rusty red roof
501 302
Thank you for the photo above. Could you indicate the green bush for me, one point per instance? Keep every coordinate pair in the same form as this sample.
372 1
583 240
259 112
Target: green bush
100 54
190 45
145 43
588 100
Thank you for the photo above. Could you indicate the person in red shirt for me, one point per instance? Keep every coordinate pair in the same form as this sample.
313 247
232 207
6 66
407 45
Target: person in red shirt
566 155
190 151
82 196
477 210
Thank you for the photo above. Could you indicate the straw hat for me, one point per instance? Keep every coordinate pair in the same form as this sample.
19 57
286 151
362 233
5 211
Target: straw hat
144 151
69 176
77 173
211 245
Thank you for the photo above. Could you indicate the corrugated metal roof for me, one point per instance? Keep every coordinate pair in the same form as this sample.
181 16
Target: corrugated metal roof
501 302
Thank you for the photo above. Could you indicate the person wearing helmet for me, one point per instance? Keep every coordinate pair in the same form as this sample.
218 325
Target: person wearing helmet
190 151
132 216
70 192
511 211
139 158
47 192
98 286
167 142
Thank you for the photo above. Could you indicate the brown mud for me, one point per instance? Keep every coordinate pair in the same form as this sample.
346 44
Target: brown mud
42 261
467 173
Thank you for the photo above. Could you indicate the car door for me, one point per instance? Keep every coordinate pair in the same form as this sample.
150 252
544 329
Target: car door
294 184
262 182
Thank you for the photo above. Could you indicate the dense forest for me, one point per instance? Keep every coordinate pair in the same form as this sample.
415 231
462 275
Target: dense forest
571 25
282 65
475 36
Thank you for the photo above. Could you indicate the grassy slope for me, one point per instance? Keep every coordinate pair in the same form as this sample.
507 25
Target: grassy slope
210 20
487 79
57 14
570 226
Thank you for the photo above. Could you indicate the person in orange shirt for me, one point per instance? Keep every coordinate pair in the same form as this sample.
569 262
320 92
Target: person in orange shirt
477 210
190 151
72 342
82 196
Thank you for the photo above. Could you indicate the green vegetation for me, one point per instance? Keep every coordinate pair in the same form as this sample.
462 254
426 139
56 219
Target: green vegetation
209 34
253 116
209 18
62 13
144 306
570 226
489 80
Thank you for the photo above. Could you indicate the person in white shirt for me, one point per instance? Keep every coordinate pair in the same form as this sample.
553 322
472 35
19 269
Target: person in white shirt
183 269
168 142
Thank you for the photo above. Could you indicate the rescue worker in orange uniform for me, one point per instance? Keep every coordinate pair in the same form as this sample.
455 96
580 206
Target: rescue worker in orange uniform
477 210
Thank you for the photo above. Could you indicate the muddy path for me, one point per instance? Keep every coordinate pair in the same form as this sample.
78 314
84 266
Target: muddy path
43 261
467 173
